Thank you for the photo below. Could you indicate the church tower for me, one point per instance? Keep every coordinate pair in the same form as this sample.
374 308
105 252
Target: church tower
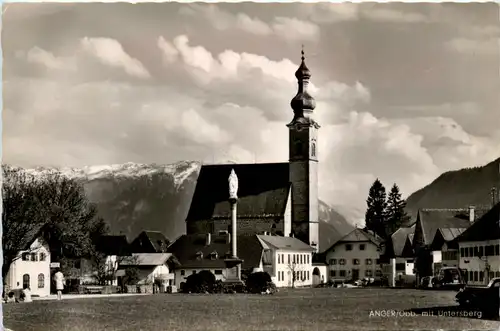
303 158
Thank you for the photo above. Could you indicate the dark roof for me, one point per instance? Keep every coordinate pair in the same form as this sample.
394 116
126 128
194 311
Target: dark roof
434 219
263 190
399 239
155 239
408 248
285 243
31 235
187 247
359 235
445 236
113 245
146 259
485 228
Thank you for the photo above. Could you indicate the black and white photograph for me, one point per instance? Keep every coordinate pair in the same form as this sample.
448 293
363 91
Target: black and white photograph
250 166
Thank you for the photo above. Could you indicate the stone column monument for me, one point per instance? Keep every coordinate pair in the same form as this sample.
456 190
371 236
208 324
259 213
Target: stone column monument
233 263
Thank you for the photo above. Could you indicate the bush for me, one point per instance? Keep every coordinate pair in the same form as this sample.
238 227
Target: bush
131 276
259 282
200 282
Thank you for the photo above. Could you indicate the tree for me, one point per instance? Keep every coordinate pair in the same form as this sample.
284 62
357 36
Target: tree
395 213
52 206
295 269
376 209
258 282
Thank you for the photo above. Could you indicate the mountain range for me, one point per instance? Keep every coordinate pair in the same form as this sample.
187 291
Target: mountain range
134 197
458 189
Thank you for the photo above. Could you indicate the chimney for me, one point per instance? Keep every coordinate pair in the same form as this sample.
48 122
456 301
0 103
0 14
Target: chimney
472 214
208 239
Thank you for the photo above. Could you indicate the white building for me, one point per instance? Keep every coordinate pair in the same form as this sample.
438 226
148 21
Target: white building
150 267
479 248
402 243
355 256
31 268
291 260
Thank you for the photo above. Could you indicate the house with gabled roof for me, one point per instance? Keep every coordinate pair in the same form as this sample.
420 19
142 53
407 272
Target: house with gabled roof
290 261
448 222
149 242
31 266
479 248
402 243
355 256
151 267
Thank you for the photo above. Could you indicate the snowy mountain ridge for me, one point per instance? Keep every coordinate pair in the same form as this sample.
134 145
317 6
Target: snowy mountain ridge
180 171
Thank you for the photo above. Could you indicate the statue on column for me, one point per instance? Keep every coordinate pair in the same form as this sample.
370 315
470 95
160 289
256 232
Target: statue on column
233 185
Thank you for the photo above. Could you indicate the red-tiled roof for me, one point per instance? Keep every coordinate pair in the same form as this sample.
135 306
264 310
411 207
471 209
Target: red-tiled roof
262 190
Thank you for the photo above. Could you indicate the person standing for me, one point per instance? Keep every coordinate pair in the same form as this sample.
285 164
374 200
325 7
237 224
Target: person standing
59 279
26 294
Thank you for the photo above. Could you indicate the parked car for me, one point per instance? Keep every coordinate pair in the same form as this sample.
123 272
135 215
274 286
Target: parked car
483 298
449 278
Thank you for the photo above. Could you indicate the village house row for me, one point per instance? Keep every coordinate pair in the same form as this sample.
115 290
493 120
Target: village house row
278 230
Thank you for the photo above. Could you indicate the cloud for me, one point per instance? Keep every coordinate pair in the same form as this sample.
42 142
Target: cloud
450 146
340 12
106 51
169 52
110 52
255 80
287 28
389 15
474 46
47 59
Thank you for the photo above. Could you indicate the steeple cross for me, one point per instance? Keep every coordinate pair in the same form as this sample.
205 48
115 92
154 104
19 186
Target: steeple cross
302 52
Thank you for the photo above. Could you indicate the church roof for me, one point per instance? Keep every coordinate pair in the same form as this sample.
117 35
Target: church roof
187 248
263 190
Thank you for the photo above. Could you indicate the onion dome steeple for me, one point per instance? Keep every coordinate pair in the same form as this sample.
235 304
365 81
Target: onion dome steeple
303 103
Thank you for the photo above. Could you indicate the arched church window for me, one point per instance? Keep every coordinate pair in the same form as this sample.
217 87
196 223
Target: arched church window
41 280
313 149
26 280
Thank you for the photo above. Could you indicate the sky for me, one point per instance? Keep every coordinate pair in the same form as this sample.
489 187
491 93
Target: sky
404 91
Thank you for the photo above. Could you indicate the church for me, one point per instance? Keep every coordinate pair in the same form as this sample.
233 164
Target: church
279 199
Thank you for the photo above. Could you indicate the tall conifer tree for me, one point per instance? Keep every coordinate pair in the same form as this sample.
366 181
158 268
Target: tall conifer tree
376 209
395 212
